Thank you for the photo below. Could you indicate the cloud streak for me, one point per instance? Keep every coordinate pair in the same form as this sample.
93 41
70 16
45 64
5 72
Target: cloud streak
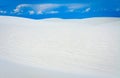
71 10
47 8
3 12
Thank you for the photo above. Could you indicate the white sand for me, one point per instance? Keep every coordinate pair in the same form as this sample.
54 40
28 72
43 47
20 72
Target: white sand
88 46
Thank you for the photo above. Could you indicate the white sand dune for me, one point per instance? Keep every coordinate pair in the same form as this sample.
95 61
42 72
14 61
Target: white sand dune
78 46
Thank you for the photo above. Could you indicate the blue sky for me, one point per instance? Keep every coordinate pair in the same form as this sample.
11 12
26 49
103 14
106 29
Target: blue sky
38 9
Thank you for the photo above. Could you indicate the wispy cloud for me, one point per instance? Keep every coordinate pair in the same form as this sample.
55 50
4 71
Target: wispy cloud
50 8
73 7
87 9
3 12
31 12
52 12
47 8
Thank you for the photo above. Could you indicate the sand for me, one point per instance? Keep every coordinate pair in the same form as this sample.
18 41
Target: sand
79 46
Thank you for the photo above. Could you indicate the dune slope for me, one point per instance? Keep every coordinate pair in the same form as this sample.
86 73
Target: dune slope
83 46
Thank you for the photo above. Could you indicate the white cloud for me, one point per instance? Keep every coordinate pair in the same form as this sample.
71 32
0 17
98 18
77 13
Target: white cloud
19 7
44 7
16 10
73 7
3 12
38 8
31 12
53 12
88 9
47 8
39 12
